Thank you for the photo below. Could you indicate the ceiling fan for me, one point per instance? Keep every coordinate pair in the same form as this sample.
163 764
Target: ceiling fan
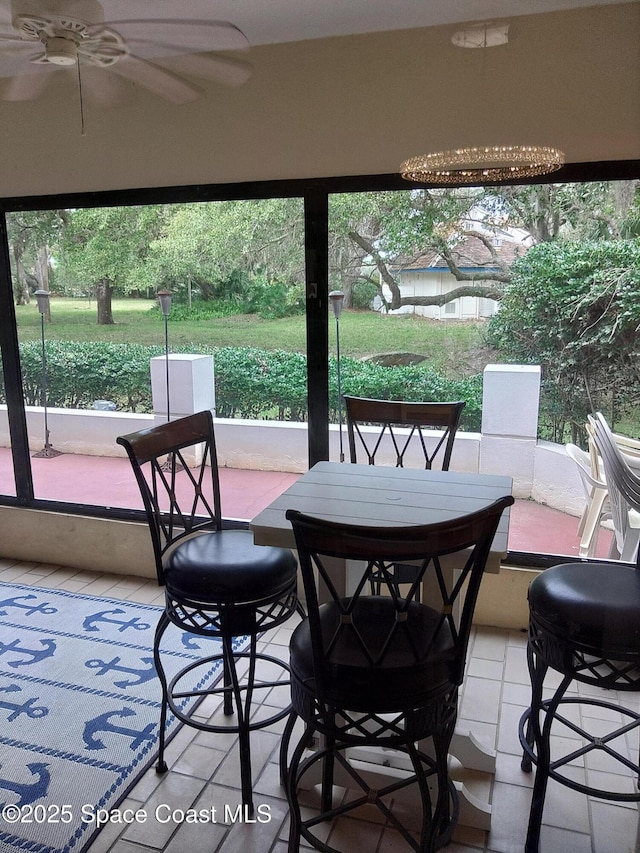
48 37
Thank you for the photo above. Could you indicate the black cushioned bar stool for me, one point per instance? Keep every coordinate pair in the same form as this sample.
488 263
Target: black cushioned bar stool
584 624
217 582
381 671
407 434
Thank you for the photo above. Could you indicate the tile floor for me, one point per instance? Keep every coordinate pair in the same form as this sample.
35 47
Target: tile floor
204 768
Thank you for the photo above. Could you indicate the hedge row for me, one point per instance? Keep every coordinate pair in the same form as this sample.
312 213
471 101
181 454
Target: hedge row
250 383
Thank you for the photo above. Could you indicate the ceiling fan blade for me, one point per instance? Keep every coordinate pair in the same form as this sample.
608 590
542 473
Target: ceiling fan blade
15 57
155 38
101 85
158 80
222 69
24 87
11 39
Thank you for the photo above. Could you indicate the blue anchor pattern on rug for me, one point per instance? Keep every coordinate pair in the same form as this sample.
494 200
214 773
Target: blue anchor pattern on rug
102 667
28 792
27 707
80 704
102 724
92 622
17 600
33 656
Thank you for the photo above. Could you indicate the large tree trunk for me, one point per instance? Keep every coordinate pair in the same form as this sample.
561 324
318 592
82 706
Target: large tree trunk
103 298
22 286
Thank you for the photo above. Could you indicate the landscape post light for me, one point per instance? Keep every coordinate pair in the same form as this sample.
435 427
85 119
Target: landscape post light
164 298
47 451
337 298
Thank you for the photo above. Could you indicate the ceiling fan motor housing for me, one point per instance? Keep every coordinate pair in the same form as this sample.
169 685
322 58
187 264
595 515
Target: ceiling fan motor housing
74 32
61 51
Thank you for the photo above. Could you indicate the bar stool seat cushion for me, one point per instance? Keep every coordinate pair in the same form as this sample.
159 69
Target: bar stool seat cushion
227 567
401 678
589 604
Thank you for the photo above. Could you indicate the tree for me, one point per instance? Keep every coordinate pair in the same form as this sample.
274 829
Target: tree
218 247
593 211
574 308
374 234
31 235
234 249
102 250
378 232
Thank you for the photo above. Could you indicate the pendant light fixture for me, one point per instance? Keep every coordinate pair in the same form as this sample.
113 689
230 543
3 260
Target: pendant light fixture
482 165
485 164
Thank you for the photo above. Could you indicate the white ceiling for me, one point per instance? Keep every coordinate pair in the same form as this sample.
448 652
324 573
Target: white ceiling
274 21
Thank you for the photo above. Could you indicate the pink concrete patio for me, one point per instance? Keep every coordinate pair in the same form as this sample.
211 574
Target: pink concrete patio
109 482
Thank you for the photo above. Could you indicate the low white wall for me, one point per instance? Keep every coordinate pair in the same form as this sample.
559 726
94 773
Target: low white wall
82 431
541 470
252 445
81 542
556 481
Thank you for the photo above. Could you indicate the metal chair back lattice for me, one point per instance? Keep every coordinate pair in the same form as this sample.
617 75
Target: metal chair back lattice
383 670
406 434
217 582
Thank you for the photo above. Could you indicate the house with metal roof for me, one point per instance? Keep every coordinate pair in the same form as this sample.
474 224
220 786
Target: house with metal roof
429 275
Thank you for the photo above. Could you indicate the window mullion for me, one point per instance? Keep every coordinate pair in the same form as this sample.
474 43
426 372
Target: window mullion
13 375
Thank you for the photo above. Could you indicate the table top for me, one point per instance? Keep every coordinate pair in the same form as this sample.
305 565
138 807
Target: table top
383 496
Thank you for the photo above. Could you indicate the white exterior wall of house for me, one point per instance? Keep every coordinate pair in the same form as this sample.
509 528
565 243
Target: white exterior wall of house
434 283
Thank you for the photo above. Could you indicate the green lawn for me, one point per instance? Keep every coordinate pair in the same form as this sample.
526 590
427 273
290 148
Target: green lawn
455 348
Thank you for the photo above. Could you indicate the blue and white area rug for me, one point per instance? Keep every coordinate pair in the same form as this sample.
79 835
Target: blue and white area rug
79 709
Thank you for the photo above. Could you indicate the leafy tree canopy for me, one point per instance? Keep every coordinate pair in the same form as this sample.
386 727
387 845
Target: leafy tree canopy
108 244
574 308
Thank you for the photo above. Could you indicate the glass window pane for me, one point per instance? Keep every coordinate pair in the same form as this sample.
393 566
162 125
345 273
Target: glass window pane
440 283
234 339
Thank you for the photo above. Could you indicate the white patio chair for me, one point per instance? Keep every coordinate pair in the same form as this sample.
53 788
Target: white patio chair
596 509
622 476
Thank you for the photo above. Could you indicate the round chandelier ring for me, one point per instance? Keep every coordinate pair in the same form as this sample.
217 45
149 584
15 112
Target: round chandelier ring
482 165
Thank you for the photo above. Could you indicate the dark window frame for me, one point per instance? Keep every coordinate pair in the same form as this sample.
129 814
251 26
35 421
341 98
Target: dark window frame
315 193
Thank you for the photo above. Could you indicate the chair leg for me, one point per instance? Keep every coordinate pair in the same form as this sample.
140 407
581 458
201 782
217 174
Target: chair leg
537 672
295 818
630 546
441 745
429 826
228 706
284 746
163 623
243 711
541 738
328 768
590 524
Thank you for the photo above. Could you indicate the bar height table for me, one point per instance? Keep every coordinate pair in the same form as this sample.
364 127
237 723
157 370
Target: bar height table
385 496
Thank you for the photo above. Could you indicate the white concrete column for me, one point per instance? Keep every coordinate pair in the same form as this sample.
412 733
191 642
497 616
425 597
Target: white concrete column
191 385
510 404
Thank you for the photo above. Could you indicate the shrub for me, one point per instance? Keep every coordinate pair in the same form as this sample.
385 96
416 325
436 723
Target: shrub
412 383
363 293
199 310
273 299
251 383
80 372
574 308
